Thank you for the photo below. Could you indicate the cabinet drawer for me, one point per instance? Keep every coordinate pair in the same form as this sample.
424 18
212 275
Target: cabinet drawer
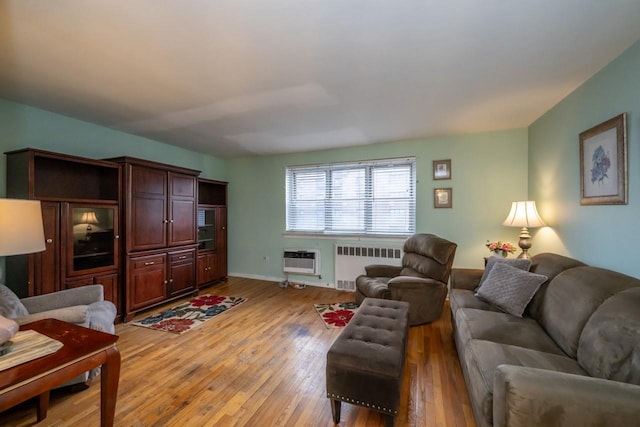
149 261
182 256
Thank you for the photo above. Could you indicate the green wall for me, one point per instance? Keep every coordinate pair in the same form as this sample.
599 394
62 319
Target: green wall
22 126
603 236
489 171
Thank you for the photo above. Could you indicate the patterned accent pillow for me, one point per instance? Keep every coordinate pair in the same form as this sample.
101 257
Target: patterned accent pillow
522 264
509 288
10 305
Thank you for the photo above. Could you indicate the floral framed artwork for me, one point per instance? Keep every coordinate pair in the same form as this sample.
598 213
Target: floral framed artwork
442 169
442 197
603 163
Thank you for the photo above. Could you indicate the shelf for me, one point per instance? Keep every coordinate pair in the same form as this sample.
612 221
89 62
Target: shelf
92 255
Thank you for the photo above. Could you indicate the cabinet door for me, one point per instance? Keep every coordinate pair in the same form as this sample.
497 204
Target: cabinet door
147 224
45 266
91 238
147 281
202 269
182 209
221 243
182 272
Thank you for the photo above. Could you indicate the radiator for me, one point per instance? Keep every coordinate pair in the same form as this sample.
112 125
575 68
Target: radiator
350 260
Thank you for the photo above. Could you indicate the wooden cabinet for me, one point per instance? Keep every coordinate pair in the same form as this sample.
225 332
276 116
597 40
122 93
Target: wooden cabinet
161 209
80 205
212 231
147 281
108 281
207 268
159 213
43 267
182 272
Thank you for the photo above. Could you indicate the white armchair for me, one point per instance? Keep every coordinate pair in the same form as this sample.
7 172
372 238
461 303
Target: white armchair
84 306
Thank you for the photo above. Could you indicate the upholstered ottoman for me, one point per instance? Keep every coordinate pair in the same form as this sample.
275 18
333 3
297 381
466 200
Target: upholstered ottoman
366 361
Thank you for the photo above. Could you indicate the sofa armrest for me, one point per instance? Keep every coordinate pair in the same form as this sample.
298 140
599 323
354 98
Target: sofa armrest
83 295
534 397
75 314
466 278
411 282
380 270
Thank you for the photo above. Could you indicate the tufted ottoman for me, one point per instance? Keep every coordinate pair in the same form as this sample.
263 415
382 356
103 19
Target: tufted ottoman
366 361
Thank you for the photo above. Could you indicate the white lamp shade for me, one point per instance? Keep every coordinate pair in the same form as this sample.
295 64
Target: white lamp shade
523 214
89 218
21 230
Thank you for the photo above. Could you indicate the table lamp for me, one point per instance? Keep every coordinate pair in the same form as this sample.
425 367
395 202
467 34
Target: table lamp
21 232
524 214
89 218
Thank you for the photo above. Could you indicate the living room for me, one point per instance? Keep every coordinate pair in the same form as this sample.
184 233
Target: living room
538 160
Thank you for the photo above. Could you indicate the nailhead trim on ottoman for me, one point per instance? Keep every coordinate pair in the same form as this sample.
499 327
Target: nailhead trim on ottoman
366 362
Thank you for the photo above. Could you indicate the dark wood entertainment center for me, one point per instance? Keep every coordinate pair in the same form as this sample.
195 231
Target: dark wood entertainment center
147 231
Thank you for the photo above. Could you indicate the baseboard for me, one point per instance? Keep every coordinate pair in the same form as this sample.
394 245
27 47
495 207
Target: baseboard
280 279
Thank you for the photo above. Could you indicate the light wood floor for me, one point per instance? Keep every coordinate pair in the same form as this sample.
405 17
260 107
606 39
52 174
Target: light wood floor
260 364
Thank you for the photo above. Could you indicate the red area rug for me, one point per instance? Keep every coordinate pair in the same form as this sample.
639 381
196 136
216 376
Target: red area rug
336 315
187 316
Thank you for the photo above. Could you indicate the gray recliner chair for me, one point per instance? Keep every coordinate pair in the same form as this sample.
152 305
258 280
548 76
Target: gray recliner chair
84 306
421 280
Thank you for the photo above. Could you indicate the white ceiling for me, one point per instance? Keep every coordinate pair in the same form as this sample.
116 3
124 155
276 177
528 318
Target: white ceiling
245 77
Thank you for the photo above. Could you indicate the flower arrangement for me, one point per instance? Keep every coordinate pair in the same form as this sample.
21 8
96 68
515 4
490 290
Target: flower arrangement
500 247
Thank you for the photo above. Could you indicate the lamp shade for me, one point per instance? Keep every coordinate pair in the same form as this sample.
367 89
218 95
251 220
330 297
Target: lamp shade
89 218
21 230
524 214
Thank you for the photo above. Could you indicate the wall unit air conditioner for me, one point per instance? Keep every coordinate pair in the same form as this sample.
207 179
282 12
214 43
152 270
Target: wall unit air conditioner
301 261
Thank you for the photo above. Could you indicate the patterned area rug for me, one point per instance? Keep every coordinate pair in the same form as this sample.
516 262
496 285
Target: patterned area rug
336 315
187 316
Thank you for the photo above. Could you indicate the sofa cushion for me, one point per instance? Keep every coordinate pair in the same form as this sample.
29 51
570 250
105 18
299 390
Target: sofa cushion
483 357
609 346
503 328
549 265
463 298
521 264
10 305
510 288
571 299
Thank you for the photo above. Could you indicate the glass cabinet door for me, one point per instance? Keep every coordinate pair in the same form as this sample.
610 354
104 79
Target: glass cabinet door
92 238
206 228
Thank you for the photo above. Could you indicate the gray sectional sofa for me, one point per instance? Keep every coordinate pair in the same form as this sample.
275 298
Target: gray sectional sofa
572 359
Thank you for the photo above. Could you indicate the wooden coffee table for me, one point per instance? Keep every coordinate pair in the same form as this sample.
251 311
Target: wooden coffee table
83 349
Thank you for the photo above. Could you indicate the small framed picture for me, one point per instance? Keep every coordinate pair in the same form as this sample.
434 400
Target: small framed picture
603 163
442 169
442 197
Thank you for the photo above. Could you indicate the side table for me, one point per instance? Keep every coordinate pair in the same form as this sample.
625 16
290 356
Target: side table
83 349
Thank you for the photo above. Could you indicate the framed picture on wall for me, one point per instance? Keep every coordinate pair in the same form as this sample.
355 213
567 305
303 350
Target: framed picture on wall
442 169
603 163
442 197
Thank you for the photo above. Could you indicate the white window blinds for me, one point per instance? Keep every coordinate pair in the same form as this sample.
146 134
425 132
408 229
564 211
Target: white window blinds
372 197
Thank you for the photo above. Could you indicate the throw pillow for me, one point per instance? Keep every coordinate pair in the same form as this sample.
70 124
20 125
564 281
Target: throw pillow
509 288
520 263
10 305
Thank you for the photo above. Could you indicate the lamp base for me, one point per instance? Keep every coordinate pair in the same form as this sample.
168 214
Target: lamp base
524 243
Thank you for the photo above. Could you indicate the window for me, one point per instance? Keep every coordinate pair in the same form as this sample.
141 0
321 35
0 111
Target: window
373 197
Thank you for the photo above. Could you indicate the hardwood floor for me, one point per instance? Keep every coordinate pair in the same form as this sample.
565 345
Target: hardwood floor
261 364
